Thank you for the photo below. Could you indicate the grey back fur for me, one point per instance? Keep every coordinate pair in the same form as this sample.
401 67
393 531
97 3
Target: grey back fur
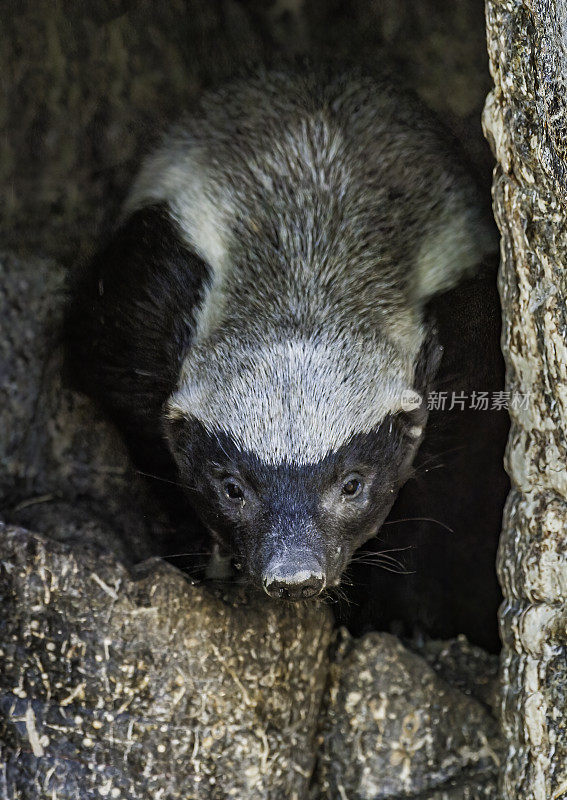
329 209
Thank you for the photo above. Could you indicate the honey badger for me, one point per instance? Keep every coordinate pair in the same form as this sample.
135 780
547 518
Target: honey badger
258 323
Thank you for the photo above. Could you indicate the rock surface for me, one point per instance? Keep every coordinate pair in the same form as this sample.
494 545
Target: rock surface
525 122
393 728
463 666
140 684
89 87
63 469
147 686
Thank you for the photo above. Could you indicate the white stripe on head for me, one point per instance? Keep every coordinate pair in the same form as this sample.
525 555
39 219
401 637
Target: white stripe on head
294 402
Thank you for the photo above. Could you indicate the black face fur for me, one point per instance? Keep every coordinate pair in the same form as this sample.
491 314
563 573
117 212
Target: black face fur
307 518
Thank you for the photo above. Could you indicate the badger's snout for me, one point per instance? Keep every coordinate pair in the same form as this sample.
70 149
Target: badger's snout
297 577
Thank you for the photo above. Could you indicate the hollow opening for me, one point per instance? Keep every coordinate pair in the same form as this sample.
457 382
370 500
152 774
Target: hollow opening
94 103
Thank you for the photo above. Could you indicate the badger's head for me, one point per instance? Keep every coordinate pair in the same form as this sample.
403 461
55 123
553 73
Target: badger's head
294 453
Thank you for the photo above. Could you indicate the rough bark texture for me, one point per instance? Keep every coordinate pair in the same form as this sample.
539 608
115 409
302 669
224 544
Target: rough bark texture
138 684
63 469
525 120
148 687
86 90
395 727
87 87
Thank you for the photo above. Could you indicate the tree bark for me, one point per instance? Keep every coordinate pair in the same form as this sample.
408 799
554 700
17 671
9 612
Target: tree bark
525 121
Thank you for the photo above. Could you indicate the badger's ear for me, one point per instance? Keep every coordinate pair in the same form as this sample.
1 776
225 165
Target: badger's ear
412 413
413 407
183 405
188 441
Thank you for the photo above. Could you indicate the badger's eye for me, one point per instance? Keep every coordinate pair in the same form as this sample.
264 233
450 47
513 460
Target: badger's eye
352 487
233 490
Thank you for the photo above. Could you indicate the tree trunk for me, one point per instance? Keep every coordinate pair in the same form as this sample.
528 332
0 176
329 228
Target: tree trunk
526 124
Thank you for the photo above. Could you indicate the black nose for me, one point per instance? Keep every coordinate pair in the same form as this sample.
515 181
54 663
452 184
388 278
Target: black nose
288 582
